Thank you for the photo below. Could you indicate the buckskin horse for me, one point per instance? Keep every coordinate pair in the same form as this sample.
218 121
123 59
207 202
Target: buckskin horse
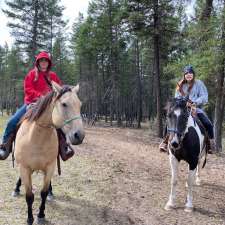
36 145
187 141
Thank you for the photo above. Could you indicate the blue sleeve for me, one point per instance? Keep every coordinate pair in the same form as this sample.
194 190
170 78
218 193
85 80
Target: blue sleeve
177 94
202 94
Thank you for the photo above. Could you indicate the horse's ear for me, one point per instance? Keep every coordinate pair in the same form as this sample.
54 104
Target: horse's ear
76 88
167 106
56 87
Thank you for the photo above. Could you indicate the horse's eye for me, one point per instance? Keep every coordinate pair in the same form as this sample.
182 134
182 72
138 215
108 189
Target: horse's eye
64 105
169 115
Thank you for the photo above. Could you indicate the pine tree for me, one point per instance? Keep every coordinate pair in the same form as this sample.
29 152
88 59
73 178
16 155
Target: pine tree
34 23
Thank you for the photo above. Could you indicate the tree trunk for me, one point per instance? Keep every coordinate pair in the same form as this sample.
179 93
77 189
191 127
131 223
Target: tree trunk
139 99
220 93
156 38
206 13
34 32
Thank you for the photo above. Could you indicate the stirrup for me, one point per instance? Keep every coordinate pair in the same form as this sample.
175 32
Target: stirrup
163 147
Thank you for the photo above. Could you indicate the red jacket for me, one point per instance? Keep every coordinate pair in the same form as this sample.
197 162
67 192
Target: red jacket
35 84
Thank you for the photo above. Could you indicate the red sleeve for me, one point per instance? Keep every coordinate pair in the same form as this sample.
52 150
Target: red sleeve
29 90
55 78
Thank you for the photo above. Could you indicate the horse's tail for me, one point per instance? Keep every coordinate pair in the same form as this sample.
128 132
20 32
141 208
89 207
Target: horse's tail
204 161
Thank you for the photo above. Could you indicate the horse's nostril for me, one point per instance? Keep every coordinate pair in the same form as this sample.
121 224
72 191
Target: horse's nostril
174 144
76 135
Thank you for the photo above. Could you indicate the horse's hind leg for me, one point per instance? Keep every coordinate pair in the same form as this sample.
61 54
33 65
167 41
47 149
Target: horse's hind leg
44 192
16 191
198 180
26 179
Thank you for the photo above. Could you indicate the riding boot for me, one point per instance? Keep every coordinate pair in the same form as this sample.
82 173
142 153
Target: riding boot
163 147
212 146
64 151
6 147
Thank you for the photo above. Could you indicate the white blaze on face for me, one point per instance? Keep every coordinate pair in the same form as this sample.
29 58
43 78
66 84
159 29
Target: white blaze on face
177 112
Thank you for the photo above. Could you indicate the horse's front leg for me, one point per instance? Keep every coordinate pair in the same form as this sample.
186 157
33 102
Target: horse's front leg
44 192
16 191
25 175
190 182
174 172
50 196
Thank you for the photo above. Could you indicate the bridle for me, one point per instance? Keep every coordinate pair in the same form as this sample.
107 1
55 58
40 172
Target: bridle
175 130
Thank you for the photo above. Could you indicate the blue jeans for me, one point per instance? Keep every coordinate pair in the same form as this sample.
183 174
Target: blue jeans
12 123
206 122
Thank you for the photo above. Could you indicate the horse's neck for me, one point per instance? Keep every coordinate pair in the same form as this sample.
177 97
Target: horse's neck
192 123
46 117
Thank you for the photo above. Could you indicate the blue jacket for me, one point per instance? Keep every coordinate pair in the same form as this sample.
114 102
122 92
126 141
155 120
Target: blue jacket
198 93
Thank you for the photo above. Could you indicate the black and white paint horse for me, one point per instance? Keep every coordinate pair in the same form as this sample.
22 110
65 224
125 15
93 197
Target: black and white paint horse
186 142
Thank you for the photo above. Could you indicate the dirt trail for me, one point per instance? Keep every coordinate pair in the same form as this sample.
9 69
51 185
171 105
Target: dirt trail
118 177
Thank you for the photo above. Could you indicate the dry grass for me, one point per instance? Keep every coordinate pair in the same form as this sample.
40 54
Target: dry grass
3 120
118 177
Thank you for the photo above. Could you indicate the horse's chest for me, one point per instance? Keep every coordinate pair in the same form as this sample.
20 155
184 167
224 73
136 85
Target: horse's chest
36 149
191 148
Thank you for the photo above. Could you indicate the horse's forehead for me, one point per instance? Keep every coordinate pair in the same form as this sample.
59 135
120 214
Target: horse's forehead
70 96
177 112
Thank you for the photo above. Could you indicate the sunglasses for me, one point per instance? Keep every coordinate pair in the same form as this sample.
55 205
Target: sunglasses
43 60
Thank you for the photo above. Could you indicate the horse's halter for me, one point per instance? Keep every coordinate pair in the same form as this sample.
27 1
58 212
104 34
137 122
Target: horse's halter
181 134
70 120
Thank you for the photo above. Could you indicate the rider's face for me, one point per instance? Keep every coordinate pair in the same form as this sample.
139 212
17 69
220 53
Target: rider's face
43 64
189 77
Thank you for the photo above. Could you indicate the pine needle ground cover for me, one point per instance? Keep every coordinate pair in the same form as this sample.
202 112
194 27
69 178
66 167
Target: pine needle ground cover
118 177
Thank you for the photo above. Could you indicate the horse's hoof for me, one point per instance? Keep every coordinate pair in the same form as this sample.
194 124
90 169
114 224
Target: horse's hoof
15 193
41 220
169 207
50 197
30 221
188 209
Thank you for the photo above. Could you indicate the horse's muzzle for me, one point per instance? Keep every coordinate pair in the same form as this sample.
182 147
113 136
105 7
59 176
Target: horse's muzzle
174 144
77 137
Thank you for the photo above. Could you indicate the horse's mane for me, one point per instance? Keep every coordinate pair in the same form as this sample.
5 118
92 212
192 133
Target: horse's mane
39 107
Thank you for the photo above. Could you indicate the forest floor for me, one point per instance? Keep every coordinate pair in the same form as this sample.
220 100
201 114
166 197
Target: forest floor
118 177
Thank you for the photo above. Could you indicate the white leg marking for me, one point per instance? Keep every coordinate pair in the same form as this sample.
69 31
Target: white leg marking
198 180
174 172
191 177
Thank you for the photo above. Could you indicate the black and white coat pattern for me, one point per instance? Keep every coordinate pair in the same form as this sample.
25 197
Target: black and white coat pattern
186 142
